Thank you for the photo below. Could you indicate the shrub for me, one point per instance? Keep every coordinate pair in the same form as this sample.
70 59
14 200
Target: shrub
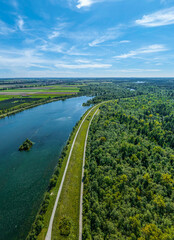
65 226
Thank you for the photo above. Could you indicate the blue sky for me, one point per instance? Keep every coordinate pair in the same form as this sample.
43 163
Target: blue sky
86 38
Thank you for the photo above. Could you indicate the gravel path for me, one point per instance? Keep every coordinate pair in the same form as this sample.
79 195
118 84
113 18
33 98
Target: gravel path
49 232
81 194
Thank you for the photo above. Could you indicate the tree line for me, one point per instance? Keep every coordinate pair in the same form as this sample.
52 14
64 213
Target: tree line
128 185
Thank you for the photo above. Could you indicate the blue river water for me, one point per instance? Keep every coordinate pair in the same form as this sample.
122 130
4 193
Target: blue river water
24 176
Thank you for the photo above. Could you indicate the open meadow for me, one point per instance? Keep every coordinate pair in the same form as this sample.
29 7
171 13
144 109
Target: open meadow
14 96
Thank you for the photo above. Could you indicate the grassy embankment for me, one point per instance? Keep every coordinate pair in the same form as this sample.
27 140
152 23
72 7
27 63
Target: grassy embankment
70 173
69 202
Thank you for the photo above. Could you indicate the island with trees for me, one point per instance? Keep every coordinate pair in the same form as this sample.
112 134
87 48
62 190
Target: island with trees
27 144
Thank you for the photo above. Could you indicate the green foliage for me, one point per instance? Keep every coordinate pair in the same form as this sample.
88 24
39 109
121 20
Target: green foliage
65 226
128 187
53 182
13 102
27 144
39 222
36 228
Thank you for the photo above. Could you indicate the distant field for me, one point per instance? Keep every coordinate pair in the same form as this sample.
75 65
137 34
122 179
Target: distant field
41 91
19 94
15 97
62 88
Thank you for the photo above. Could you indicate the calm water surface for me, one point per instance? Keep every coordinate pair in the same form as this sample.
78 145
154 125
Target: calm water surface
24 176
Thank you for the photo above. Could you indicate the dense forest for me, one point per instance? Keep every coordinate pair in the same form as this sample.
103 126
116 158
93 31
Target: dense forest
129 183
123 88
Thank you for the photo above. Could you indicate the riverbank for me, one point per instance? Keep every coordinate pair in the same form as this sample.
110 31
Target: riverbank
69 201
71 172
40 102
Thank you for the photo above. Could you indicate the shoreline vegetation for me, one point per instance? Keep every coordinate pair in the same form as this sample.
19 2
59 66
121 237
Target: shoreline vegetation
46 206
69 202
37 103
18 95
39 227
70 216
27 144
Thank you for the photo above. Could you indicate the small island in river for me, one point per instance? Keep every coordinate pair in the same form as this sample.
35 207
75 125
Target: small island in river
26 145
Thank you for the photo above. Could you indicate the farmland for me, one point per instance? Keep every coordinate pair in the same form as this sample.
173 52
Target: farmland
16 95
44 89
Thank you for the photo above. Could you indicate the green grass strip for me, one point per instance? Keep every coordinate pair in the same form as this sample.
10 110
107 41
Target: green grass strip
53 192
69 202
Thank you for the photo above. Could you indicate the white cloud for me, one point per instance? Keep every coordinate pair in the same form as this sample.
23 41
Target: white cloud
75 52
145 50
47 47
159 18
62 49
83 66
59 28
5 29
101 39
54 35
84 3
88 3
81 61
110 34
134 70
16 59
124 41
20 23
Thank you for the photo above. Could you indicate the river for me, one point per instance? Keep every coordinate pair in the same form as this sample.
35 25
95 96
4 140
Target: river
24 176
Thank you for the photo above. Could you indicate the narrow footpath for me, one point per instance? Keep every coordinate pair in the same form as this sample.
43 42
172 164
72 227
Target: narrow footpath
69 197
81 193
